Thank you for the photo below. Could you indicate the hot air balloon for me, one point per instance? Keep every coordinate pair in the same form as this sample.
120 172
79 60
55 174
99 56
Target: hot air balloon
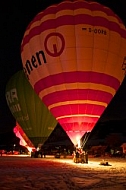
28 110
24 140
72 54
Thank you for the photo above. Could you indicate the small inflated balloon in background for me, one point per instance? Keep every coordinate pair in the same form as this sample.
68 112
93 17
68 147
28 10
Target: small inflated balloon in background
24 140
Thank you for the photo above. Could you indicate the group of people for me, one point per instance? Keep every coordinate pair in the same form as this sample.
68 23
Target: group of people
80 156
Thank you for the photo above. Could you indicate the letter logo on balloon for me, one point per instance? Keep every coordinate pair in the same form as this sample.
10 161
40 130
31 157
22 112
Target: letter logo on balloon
56 51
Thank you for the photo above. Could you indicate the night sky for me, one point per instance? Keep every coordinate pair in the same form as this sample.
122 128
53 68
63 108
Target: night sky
15 15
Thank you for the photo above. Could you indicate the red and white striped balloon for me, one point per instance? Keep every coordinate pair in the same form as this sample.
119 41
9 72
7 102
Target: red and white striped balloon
72 54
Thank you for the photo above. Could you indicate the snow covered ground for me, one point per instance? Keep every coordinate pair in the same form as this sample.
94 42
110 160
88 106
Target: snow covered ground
19 173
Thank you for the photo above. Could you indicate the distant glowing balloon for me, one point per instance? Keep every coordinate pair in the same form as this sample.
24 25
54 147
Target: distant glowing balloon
24 140
72 54
28 110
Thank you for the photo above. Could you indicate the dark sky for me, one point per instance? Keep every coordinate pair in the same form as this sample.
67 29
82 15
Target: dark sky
15 15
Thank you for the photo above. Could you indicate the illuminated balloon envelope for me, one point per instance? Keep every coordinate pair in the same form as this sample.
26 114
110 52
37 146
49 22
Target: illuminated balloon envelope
28 110
24 140
72 54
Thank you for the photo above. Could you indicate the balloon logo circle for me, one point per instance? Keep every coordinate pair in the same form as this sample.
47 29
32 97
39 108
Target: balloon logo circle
56 51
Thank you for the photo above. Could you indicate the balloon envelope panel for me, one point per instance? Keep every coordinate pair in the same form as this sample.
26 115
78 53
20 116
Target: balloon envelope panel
72 54
27 108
